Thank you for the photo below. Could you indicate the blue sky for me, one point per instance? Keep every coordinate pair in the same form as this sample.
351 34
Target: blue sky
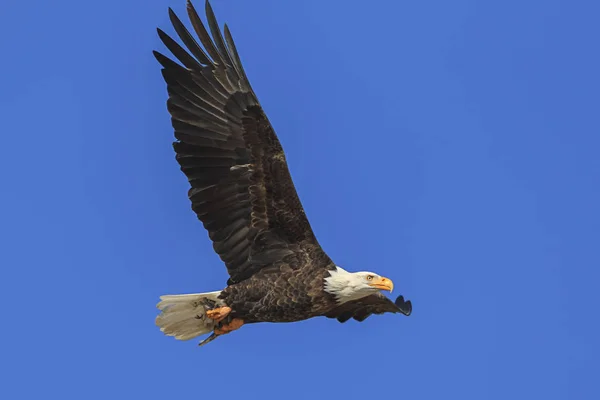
450 145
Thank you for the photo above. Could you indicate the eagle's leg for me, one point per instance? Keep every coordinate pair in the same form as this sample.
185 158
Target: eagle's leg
235 323
218 314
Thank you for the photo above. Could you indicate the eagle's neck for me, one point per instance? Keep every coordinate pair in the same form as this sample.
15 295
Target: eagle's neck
343 285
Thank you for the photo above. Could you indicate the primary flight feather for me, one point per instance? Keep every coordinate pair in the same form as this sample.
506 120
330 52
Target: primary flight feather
243 193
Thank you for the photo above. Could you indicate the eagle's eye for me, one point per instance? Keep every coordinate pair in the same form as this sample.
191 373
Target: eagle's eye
370 277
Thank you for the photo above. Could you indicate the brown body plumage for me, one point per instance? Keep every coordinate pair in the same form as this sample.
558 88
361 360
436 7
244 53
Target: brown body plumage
241 188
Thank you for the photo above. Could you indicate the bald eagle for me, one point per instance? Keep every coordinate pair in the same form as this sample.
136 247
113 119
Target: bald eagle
243 193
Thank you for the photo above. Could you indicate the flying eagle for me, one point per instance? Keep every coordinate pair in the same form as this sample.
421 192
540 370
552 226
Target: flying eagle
243 193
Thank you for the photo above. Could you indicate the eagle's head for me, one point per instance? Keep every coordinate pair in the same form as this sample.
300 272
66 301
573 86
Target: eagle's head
348 286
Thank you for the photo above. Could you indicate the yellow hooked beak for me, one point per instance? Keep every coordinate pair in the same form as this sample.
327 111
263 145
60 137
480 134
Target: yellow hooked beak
382 283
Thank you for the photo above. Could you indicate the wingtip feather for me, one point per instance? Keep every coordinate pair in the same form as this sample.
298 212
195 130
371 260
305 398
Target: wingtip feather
404 306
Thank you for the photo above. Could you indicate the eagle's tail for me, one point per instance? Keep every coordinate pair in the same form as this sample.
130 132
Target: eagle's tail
184 315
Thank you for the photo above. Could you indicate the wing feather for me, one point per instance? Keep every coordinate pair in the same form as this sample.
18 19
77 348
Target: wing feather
241 188
374 304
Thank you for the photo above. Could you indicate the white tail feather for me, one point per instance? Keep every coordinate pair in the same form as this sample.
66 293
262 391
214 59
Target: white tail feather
183 315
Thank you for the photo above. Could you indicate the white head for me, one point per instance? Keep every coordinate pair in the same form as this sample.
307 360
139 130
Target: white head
348 286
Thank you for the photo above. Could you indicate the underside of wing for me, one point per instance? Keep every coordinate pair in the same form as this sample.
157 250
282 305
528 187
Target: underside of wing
241 188
374 304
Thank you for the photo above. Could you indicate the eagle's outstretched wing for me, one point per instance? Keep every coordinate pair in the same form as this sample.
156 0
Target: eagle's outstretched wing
374 304
241 188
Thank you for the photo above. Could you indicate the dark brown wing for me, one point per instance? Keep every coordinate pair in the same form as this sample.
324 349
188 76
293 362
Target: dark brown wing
241 188
374 304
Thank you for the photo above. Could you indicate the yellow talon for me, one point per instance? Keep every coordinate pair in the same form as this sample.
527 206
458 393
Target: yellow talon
218 314
235 323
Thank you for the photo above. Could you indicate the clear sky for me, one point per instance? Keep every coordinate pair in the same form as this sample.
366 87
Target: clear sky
450 145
